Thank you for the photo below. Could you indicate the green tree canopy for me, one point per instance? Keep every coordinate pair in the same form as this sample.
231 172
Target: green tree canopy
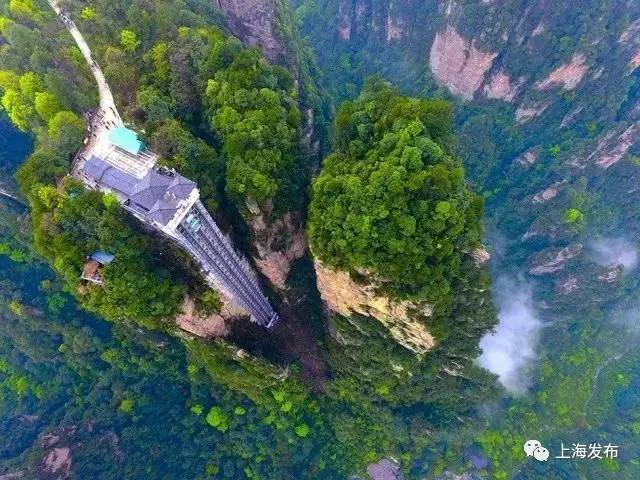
251 107
129 40
391 199
47 105
67 130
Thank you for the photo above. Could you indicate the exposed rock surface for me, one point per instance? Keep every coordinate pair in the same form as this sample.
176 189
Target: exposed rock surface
546 225
570 117
359 18
501 88
394 28
568 285
529 157
458 64
57 463
524 113
567 76
630 38
480 256
540 28
384 470
555 260
344 20
613 146
278 244
631 34
345 297
254 21
549 193
57 460
635 61
611 274
207 326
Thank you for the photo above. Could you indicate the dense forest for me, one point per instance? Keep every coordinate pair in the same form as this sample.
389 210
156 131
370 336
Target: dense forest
399 172
221 114
391 199
545 102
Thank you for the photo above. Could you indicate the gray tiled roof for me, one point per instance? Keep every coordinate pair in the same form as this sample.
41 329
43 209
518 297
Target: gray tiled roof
94 167
109 176
163 211
157 193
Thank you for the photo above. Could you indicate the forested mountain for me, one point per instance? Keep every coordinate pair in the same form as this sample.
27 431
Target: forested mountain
546 121
376 161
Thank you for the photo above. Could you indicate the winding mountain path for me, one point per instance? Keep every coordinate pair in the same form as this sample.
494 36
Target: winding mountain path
109 115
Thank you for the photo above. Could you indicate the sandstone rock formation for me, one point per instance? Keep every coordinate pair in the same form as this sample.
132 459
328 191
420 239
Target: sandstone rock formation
525 113
254 21
57 457
458 64
568 285
528 158
548 193
12 476
480 256
500 87
611 149
358 18
278 244
344 21
384 470
611 274
394 28
567 76
345 297
57 463
635 61
555 259
630 39
208 326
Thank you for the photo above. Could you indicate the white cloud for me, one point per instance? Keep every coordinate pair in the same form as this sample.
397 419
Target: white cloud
510 352
611 252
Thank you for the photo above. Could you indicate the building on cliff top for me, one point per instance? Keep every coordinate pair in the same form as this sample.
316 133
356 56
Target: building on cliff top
91 272
121 165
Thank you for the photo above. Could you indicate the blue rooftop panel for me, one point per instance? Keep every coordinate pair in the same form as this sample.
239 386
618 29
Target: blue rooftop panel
102 257
125 139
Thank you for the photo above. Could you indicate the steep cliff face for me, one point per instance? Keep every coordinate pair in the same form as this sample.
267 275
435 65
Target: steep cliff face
254 22
213 325
363 19
520 52
279 240
458 64
403 319
278 244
